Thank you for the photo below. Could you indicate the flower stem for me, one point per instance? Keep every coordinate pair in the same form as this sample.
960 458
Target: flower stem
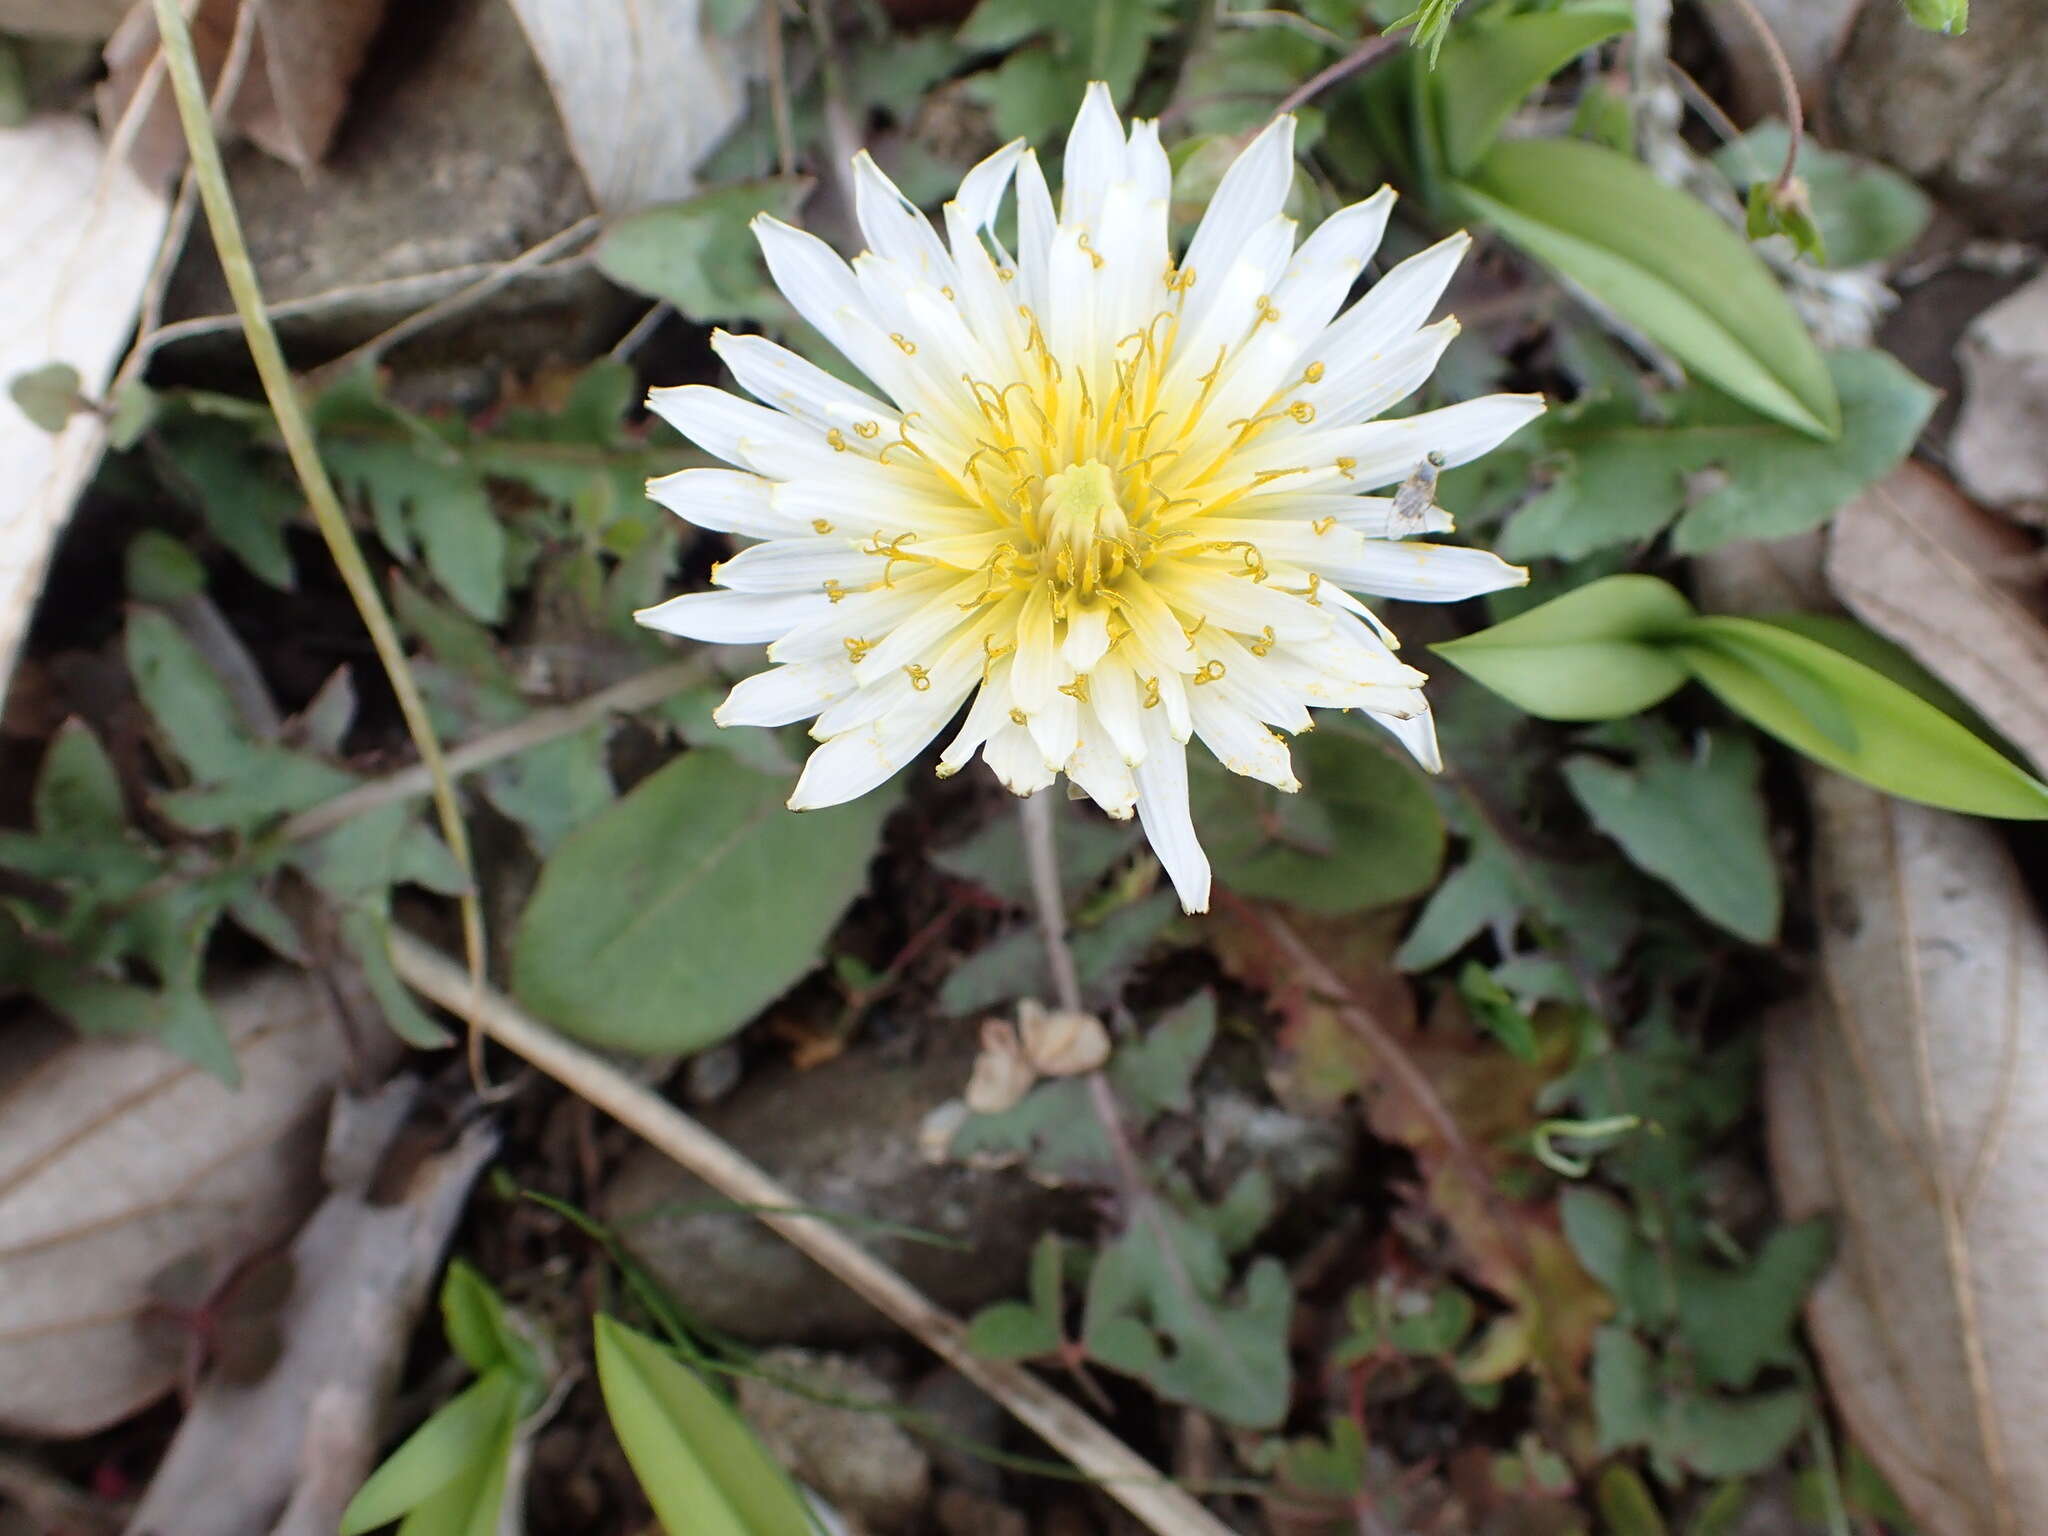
1042 859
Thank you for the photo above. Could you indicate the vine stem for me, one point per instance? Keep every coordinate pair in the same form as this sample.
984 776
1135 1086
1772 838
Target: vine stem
1788 88
233 249
1364 56
1120 1472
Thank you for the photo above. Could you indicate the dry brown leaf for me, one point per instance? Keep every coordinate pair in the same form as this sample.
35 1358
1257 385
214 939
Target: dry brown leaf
646 91
1911 1101
1920 565
303 58
302 1439
62 18
307 55
117 1161
80 234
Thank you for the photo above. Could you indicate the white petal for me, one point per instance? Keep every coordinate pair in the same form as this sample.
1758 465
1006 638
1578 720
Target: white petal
981 189
782 695
1036 222
894 226
1056 729
1240 742
1273 522
848 766
1418 734
989 713
860 615
734 618
1098 769
799 565
1425 573
1113 694
1236 602
821 288
1015 760
741 432
777 377
1253 192
1381 453
1038 670
726 501
1163 812
1087 636
1396 305
1397 373
1095 153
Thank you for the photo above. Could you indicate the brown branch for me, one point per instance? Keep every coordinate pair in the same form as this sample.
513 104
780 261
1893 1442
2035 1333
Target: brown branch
1364 56
1788 87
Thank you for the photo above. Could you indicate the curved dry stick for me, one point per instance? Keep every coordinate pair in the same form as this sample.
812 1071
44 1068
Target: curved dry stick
1121 1472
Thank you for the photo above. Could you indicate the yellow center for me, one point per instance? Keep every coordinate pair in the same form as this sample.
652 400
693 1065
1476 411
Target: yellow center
1085 537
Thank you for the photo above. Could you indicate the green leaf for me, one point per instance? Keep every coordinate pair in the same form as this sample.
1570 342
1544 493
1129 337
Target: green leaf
236 487
700 254
1155 1075
700 1465
186 702
1863 211
78 792
1940 15
1900 743
474 1318
1622 479
156 568
1014 966
1737 1321
1495 1011
993 859
1604 1239
1164 1316
48 396
1665 263
1363 832
464 1435
1089 40
1488 69
668 921
1697 822
1769 209
1596 653
1625 1402
441 501
1732 1437
1431 20
1626 1505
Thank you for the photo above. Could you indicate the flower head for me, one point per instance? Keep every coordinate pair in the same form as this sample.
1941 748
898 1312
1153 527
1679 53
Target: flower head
1106 499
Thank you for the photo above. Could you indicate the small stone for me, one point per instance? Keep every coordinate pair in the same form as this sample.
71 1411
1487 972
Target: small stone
1002 1075
861 1462
848 1137
1060 1042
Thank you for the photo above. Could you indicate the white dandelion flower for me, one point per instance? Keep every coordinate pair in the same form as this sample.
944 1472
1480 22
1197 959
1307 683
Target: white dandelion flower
1106 500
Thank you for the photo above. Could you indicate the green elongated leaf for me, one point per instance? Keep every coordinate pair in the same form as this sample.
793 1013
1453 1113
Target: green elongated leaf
1863 211
701 1467
1488 69
699 254
185 700
1622 479
1902 744
449 1446
668 921
1940 15
1496 1012
1665 263
474 1318
1596 653
1697 822
1363 832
